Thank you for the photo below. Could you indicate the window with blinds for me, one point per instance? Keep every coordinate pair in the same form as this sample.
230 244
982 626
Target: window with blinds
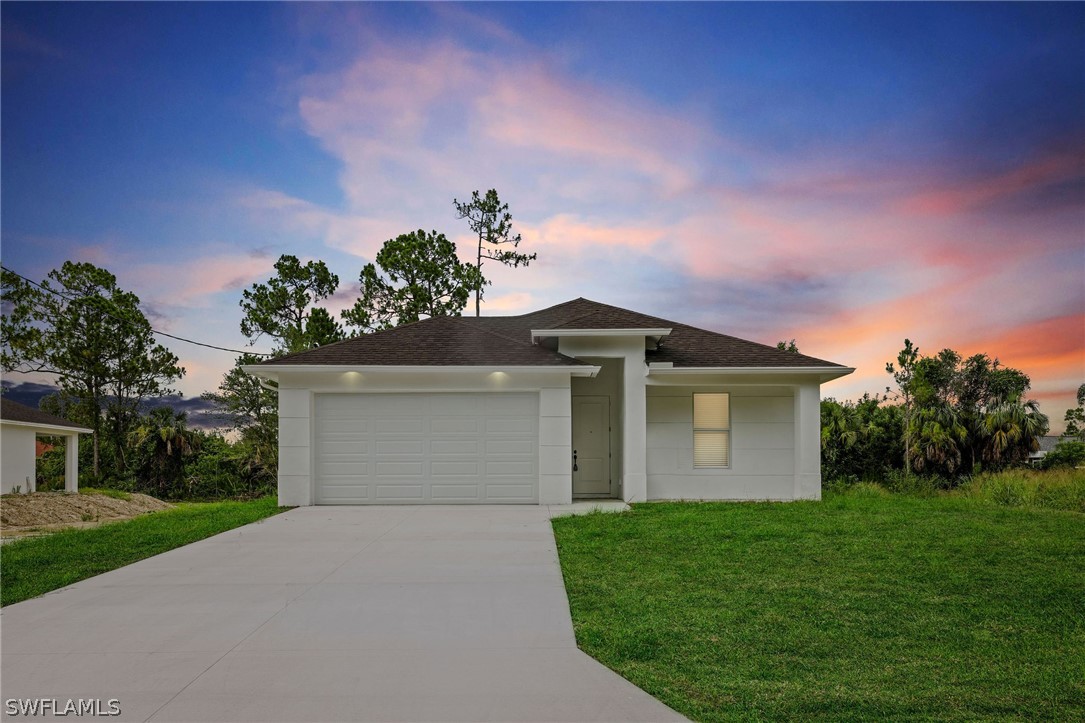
711 430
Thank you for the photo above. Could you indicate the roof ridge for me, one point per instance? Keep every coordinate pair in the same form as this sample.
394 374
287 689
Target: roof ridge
549 308
508 338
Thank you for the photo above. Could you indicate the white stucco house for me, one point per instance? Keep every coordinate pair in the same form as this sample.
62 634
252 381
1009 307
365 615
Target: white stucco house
577 401
20 427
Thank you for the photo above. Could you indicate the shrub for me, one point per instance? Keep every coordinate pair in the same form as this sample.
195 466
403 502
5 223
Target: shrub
904 483
1067 453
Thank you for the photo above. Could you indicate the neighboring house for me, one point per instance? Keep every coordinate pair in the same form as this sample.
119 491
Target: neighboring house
20 426
580 400
1045 445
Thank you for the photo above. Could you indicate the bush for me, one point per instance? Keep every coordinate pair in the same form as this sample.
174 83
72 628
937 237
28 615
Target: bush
904 483
1067 453
226 471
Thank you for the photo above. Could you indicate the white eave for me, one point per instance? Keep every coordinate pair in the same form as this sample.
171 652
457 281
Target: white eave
271 371
48 428
825 373
544 333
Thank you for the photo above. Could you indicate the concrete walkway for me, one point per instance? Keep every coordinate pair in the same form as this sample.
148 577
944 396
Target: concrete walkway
327 614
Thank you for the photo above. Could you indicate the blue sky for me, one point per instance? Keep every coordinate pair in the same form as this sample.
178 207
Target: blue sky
845 174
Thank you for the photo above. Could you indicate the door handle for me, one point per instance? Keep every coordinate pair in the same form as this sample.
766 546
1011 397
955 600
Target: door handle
575 468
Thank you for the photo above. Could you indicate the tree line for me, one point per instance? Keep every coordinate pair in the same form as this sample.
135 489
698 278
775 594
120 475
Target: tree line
945 418
92 336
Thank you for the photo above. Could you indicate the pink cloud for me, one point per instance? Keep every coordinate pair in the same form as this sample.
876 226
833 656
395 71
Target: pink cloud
969 195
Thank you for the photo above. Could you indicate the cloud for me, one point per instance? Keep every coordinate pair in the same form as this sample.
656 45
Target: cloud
195 282
659 208
1036 175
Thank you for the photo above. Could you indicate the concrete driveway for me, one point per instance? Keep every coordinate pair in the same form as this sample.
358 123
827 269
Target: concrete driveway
327 614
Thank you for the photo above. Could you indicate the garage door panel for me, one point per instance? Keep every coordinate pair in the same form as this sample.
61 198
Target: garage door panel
418 448
513 447
400 468
399 447
439 468
501 405
455 425
353 493
343 427
450 493
510 425
501 468
348 469
351 447
399 492
504 491
398 425
469 405
454 447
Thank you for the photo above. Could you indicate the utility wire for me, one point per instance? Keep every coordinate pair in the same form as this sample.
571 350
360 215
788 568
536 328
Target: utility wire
111 316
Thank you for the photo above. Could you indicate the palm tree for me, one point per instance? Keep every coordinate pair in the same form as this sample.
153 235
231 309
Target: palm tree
1010 430
164 441
937 434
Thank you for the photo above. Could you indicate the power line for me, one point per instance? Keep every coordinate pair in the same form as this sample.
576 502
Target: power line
111 316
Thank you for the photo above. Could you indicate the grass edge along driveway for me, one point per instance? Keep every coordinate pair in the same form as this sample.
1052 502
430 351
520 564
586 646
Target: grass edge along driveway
855 608
37 565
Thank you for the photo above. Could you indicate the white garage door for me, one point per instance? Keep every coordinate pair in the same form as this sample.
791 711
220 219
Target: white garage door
426 448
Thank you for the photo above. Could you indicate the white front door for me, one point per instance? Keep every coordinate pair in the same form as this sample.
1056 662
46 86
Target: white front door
591 446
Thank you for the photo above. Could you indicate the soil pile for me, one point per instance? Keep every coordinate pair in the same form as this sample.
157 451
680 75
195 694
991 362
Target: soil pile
49 510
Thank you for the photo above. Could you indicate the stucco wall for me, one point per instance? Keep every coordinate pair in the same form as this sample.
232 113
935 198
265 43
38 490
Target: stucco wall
296 420
16 458
763 449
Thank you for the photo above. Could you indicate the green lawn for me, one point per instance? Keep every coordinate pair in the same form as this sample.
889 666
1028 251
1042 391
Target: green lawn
862 607
37 565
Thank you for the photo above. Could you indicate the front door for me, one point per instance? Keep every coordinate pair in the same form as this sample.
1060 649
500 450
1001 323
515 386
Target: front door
591 446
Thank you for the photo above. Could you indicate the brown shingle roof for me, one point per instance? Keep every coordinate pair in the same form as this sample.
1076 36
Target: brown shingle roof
506 340
438 341
12 411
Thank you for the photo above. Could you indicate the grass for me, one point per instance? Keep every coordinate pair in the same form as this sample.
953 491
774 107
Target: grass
115 494
37 565
865 606
1058 489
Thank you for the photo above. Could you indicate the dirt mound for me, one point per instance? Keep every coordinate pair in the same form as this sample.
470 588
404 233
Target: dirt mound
50 509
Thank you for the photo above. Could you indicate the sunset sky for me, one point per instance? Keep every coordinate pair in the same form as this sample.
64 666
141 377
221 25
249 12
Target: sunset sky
847 175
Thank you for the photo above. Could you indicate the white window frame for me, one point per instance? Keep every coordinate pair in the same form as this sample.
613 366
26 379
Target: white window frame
725 429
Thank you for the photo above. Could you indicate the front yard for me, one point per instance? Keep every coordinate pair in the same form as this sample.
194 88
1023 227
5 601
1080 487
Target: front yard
862 607
35 566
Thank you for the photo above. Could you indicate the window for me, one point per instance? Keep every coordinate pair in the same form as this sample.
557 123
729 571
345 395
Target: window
711 430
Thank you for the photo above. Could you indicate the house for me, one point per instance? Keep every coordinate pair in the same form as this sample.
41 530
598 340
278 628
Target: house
1043 445
20 426
577 401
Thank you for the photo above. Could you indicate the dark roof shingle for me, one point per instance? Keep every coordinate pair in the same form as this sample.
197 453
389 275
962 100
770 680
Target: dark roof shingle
12 411
506 340
438 341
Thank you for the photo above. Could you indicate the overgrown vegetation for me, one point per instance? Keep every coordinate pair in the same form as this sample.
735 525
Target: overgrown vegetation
35 566
950 418
865 606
